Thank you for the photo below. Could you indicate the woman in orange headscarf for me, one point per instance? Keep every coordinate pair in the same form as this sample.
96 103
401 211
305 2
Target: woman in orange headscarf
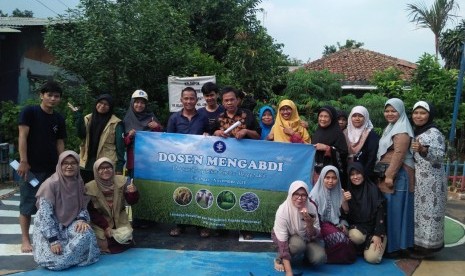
288 126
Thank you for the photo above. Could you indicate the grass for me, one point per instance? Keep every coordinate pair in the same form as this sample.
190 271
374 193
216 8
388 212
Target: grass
157 204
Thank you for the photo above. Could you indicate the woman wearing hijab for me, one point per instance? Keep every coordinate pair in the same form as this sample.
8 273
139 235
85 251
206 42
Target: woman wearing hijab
296 229
109 194
137 118
288 126
62 235
431 182
101 133
330 144
367 214
266 118
362 141
398 179
332 204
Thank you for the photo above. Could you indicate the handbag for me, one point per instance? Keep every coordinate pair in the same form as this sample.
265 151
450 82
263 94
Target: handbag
380 169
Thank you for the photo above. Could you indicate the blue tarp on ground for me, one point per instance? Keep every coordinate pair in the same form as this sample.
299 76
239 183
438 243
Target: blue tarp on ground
180 262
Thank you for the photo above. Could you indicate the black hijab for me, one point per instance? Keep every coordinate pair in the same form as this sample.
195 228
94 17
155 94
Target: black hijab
137 120
97 124
432 113
366 197
332 134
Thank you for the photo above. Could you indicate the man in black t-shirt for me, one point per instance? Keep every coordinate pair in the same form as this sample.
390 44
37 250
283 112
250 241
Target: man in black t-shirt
41 140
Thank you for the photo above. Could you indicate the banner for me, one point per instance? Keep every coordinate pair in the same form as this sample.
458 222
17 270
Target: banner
177 84
215 182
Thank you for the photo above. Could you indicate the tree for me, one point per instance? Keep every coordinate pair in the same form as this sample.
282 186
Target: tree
433 18
118 46
25 13
451 45
230 32
350 44
3 14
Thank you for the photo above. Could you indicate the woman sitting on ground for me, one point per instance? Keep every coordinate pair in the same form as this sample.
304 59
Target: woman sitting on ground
367 214
109 194
331 199
296 229
62 236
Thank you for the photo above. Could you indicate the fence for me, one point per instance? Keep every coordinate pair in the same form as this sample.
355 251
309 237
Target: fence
456 174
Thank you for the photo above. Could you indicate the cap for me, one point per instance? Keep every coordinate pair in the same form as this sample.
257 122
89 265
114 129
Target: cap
140 94
422 104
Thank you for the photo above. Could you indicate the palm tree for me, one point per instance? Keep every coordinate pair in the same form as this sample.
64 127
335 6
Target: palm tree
433 18
450 45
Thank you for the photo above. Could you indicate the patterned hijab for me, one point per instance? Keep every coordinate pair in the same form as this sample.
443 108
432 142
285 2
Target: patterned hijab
356 136
65 193
320 195
265 128
432 113
293 122
288 220
402 125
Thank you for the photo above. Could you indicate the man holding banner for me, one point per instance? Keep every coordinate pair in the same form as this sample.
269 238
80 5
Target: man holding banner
188 121
235 121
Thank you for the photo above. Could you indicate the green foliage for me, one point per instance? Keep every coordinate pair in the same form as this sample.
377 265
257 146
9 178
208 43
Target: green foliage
437 85
451 46
9 122
389 82
18 13
119 46
350 44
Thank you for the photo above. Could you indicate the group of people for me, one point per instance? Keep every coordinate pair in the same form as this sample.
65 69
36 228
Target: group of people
393 201
362 197
80 203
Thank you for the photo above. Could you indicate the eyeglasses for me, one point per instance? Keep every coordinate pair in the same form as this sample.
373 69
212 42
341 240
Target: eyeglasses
101 169
300 196
69 164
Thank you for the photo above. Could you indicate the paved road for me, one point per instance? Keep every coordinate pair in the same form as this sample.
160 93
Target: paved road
155 235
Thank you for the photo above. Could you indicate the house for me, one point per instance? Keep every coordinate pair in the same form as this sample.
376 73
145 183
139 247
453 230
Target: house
23 57
358 67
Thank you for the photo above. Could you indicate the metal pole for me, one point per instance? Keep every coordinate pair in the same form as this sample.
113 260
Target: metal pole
458 94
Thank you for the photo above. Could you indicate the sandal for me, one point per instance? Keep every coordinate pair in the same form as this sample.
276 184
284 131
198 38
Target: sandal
278 265
176 231
246 235
205 232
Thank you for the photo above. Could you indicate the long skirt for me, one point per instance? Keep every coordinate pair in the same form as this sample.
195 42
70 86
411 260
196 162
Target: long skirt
400 225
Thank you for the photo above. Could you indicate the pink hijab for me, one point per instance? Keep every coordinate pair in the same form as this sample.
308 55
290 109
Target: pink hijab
65 193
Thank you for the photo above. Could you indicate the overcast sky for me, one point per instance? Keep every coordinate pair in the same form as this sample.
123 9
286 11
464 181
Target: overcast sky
306 26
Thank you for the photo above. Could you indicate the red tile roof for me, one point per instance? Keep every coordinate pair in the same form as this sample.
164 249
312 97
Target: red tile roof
358 65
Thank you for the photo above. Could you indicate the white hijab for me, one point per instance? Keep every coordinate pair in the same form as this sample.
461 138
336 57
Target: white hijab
288 220
402 125
319 194
355 133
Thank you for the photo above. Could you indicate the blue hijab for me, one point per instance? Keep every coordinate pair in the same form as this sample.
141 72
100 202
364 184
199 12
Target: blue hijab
265 129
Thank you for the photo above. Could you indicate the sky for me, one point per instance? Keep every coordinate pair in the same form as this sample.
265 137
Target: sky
306 26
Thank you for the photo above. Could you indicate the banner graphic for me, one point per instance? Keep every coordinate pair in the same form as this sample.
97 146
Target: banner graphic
214 182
